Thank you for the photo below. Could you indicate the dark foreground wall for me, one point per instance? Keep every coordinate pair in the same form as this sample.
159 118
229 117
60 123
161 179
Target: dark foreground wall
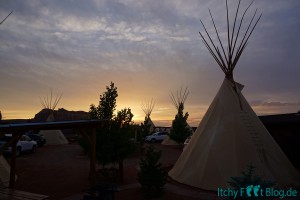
285 129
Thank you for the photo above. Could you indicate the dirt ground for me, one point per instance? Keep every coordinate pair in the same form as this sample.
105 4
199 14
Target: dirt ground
61 171
58 171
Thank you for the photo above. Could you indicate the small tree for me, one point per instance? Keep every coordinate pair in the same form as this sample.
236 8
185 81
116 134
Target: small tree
145 128
107 104
247 179
105 110
113 140
180 129
120 134
152 176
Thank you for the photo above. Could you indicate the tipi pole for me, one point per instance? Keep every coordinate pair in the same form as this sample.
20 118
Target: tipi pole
6 17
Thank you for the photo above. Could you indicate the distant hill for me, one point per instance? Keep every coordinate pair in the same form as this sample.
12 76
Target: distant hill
61 115
15 121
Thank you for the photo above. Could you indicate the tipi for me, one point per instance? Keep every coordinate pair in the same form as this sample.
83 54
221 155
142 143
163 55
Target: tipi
230 136
4 172
53 137
178 102
168 141
4 167
147 108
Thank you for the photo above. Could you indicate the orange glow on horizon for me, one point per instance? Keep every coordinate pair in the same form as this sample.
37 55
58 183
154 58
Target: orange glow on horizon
162 115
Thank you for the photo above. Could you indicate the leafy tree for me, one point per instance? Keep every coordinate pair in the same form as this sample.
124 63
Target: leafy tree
120 134
152 176
113 140
123 118
105 110
107 104
180 129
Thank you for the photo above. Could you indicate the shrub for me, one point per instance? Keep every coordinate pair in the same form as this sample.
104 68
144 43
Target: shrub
248 178
152 176
180 130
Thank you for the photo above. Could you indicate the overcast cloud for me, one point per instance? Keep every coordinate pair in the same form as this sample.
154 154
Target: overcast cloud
148 48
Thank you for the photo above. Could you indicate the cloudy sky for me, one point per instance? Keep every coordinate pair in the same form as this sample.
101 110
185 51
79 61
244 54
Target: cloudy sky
147 48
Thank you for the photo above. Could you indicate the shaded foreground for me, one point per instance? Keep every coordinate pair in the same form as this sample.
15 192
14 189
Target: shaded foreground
61 171
57 171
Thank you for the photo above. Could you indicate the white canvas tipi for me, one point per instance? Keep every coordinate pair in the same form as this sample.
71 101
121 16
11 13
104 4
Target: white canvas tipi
168 141
230 136
147 109
53 137
4 172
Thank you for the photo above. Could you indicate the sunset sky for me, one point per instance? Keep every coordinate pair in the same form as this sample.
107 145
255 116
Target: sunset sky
147 48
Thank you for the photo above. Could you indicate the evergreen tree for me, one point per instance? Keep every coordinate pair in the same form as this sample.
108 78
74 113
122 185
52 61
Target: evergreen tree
107 104
152 176
113 140
145 127
180 129
120 133
105 110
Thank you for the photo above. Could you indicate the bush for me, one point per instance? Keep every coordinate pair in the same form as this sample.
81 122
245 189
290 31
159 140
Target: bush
180 130
248 178
152 176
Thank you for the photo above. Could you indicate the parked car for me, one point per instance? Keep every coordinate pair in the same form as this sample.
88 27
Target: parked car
158 136
39 138
25 144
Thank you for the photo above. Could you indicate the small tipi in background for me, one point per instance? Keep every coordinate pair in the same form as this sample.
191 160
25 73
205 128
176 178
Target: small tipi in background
53 137
4 172
230 136
168 141
147 108
4 167
179 123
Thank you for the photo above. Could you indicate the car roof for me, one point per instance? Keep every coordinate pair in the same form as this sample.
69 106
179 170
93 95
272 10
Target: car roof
160 132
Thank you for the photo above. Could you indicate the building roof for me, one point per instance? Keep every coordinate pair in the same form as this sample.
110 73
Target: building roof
289 118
